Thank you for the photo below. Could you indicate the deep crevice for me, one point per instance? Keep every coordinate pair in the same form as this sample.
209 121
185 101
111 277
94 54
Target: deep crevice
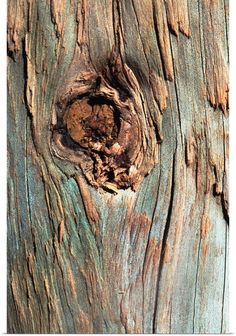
164 241
225 277
196 279
159 44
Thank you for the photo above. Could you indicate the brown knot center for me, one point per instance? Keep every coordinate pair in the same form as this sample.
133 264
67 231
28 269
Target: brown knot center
92 123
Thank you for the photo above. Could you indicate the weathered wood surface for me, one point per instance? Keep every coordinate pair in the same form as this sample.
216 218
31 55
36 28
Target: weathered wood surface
86 260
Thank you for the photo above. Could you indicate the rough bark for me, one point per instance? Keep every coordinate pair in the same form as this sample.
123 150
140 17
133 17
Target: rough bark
118 151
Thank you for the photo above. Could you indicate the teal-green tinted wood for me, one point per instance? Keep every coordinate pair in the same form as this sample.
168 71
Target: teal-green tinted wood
86 260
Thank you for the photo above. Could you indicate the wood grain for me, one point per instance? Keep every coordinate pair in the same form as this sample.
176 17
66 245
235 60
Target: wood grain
148 256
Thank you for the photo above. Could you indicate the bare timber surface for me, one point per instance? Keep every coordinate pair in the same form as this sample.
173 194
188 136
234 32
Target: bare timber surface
130 234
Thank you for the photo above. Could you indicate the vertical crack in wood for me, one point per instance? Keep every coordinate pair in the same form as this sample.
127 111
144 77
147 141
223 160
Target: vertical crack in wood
195 286
91 105
224 329
164 245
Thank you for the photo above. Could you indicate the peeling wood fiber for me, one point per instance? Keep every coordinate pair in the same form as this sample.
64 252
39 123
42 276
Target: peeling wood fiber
118 166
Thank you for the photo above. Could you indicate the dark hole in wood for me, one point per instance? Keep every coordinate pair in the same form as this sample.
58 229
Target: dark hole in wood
110 176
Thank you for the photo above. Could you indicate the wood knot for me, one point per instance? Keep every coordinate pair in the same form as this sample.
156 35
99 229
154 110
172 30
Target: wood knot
102 125
92 123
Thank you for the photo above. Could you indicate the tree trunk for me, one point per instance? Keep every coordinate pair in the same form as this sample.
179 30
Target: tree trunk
118 150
